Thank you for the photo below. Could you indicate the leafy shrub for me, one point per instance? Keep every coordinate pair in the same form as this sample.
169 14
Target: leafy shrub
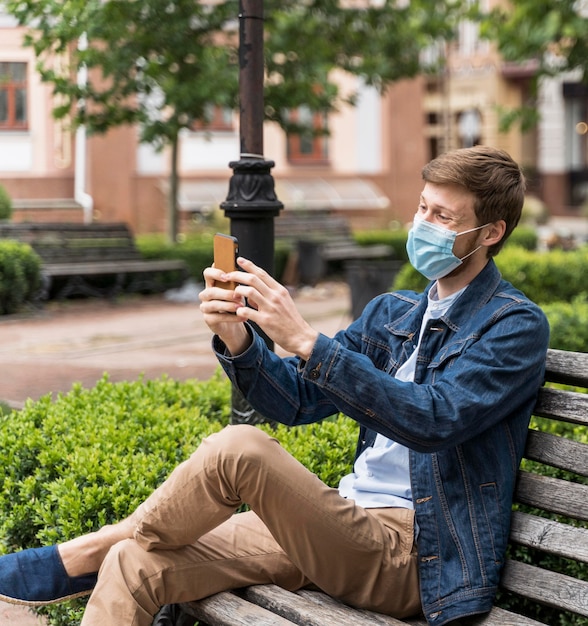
396 239
20 275
522 237
543 276
568 323
556 280
5 204
196 251
91 456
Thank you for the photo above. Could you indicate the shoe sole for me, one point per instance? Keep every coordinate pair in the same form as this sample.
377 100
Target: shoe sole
34 603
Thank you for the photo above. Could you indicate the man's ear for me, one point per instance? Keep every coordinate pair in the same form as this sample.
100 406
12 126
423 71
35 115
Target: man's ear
493 233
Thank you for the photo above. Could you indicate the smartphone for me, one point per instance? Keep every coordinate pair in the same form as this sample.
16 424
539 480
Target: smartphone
226 250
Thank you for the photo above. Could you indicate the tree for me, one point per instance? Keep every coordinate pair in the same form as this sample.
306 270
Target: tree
164 64
551 33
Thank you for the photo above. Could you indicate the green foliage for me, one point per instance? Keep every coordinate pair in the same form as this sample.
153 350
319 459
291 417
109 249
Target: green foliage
196 250
89 457
166 65
20 276
555 280
396 239
551 36
325 448
536 557
5 204
568 323
523 236
546 277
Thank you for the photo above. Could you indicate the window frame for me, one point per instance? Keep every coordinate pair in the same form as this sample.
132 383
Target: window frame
12 87
319 152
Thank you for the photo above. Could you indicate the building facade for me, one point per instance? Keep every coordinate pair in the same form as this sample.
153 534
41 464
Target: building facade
368 168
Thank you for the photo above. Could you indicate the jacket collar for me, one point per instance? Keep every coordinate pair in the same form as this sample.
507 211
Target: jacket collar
474 298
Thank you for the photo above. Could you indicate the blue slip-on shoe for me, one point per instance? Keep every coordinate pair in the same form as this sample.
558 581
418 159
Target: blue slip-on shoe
36 577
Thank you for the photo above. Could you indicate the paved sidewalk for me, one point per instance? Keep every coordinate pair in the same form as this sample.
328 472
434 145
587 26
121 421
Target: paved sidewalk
45 352
77 341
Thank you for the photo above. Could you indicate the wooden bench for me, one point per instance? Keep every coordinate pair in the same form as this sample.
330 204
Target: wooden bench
318 239
92 259
548 519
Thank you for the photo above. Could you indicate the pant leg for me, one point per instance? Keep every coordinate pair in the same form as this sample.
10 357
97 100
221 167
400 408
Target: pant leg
362 557
134 584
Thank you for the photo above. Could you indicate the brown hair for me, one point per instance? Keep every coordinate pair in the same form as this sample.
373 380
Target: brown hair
494 178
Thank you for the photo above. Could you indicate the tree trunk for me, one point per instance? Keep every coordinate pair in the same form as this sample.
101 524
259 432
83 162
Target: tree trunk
172 209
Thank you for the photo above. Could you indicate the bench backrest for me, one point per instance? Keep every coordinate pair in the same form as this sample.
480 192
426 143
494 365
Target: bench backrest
71 243
551 499
310 225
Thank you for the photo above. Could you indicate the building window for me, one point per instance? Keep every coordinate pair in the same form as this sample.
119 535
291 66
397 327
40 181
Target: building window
13 96
308 147
217 119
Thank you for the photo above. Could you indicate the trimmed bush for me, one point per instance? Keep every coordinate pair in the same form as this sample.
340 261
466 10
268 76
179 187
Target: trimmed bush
568 322
522 237
20 275
5 204
196 251
91 456
543 276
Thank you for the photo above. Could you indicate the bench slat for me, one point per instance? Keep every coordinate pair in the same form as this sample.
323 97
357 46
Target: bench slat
546 587
558 452
113 267
501 617
228 609
549 536
553 495
567 406
367 617
548 494
308 610
567 367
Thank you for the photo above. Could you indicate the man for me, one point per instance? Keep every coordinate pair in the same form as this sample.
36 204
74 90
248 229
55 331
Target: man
442 385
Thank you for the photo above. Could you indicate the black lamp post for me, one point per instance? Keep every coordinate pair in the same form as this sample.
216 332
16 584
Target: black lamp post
251 203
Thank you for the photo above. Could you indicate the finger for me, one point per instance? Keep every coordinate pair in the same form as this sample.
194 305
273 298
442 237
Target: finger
255 276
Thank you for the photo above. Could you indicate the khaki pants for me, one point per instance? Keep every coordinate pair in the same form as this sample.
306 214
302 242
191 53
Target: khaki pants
189 544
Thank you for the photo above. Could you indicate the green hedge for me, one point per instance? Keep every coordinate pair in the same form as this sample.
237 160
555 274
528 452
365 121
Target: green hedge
522 237
20 275
5 204
196 251
196 248
556 280
89 457
544 277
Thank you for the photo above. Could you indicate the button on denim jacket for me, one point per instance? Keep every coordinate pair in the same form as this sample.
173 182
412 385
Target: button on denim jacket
464 418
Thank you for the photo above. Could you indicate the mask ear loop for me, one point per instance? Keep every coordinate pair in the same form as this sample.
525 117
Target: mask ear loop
471 230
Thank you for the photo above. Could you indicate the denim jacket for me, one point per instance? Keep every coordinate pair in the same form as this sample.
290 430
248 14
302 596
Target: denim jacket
464 418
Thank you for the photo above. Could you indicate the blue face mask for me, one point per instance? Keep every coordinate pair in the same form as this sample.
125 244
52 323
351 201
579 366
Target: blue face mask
430 249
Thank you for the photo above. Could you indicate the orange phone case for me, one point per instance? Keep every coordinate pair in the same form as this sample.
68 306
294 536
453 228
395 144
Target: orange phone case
226 249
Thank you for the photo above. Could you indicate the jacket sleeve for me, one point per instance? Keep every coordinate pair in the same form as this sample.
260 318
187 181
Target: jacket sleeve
467 388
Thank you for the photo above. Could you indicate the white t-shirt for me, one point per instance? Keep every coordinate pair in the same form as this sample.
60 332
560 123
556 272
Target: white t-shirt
381 476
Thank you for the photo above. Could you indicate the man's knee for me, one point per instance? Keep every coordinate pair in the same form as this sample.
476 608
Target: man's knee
241 439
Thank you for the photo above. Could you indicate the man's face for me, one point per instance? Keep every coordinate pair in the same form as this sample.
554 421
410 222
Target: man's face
451 207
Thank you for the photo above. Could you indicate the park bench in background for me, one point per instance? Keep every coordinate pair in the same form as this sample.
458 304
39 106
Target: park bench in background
319 239
93 259
548 519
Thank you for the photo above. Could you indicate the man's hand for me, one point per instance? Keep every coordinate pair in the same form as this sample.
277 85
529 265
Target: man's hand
270 307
